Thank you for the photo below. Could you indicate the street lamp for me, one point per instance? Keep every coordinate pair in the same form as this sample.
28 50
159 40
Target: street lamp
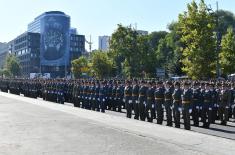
215 13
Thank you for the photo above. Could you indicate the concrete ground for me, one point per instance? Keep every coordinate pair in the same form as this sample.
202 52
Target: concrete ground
36 127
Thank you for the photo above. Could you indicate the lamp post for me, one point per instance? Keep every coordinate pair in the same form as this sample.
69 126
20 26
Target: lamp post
217 49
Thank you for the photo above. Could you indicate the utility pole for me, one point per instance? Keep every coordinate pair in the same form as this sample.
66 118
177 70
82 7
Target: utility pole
89 43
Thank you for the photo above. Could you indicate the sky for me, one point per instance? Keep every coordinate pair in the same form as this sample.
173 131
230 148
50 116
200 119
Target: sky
97 17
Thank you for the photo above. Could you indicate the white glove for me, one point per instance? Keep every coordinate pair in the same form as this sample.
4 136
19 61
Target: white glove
180 109
197 107
190 111
130 101
210 109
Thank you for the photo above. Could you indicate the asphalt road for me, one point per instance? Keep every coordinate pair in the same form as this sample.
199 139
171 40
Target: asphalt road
215 129
30 126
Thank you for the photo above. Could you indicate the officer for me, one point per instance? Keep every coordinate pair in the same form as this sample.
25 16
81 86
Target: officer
142 100
207 106
114 98
97 100
93 95
150 106
159 100
102 94
197 100
215 99
76 101
224 104
168 102
177 104
128 99
119 96
187 97
233 101
109 95
135 94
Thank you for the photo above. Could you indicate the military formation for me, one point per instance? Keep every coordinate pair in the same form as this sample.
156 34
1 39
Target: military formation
145 100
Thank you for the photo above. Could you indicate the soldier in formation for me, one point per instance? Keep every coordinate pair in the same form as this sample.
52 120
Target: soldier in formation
205 102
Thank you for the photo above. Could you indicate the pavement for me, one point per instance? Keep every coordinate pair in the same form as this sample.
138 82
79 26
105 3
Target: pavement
36 127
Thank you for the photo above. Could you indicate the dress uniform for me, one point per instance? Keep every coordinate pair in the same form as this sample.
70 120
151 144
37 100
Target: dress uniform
187 97
168 102
128 99
224 104
197 100
177 104
207 106
159 100
135 94
142 100
150 106
102 94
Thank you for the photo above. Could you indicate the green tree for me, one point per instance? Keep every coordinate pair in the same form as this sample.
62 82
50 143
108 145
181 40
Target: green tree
80 66
226 20
155 37
101 64
196 28
227 55
12 66
124 47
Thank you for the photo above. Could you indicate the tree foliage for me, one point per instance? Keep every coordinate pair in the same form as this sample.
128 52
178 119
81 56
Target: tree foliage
12 66
101 64
80 66
227 55
196 28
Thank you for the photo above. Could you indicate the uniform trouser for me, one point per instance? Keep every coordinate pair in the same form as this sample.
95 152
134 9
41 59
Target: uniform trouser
195 115
214 114
223 114
168 113
114 104
234 112
128 108
186 117
176 115
149 111
142 110
160 113
76 102
83 102
119 105
102 106
93 104
136 109
229 113
109 103
206 116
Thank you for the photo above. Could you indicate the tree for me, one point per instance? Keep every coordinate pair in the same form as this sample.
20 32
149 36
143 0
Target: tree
80 66
124 47
196 28
227 55
101 64
12 66
155 37
226 20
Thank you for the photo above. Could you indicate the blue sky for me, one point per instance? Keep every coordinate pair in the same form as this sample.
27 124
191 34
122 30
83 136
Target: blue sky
96 17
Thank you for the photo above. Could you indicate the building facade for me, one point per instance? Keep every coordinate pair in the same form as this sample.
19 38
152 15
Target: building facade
142 32
26 48
104 42
59 43
3 54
